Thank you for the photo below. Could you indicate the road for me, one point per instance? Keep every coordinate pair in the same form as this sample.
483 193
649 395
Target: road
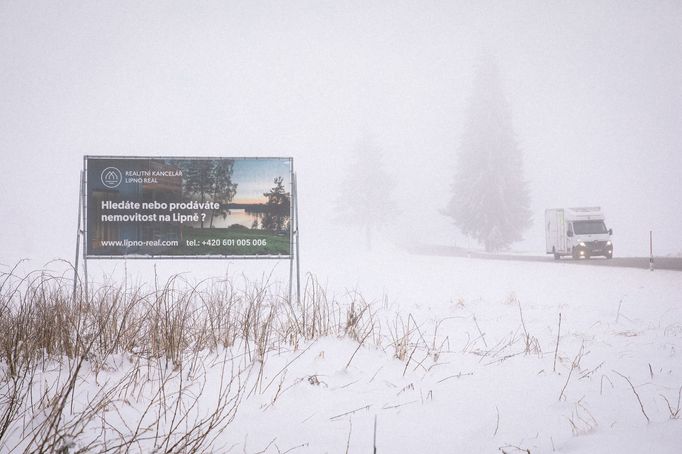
660 263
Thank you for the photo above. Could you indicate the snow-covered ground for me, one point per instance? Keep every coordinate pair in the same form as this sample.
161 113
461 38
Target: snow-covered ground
625 321
478 371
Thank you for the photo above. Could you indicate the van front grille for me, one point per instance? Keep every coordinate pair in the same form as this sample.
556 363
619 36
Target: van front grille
596 245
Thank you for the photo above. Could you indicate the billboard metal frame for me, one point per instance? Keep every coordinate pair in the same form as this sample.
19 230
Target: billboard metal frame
82 220
293 222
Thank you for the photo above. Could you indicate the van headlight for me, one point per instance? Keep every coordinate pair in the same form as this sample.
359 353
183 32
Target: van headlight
581 244
608 243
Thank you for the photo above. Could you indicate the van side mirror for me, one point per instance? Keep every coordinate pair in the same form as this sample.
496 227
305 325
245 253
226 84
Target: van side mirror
610 231
569 233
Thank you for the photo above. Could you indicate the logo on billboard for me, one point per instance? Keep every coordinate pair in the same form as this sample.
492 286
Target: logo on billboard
111 177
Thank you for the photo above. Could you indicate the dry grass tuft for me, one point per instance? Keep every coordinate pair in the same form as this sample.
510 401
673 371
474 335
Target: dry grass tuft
162 341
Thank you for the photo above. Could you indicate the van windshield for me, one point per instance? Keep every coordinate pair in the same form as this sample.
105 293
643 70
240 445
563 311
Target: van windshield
588 227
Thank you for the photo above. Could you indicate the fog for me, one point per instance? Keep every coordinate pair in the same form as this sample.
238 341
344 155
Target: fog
594 88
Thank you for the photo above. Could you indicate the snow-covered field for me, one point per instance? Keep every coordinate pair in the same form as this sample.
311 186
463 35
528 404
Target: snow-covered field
486 391
464 359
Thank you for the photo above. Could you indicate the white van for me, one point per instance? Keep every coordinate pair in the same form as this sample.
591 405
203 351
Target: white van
578 232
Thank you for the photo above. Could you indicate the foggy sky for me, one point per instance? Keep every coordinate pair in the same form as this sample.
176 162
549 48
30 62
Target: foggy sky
595 91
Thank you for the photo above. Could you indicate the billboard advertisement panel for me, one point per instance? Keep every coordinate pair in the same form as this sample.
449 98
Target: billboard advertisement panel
148 207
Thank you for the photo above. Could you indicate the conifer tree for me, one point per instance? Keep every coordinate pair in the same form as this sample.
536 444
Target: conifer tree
366 192
490 200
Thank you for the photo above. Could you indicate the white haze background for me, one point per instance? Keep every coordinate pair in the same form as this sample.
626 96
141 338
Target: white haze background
595 90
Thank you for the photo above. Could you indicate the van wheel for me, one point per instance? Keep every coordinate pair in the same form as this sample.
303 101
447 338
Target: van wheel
556 256
575 255
609 255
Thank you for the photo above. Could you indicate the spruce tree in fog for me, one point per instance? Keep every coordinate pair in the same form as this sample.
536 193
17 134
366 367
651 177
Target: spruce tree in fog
490 199
366 192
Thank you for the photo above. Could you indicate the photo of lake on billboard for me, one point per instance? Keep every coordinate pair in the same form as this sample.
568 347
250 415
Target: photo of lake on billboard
193 207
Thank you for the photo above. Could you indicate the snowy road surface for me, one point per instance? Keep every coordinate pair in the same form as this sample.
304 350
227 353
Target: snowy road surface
660 263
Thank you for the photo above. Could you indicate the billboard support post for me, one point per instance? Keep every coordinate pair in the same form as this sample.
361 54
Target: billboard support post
298 258
291 278
83 208
78 236
294 254
291 246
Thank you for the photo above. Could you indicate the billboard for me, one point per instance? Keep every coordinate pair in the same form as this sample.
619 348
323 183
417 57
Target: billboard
157 207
